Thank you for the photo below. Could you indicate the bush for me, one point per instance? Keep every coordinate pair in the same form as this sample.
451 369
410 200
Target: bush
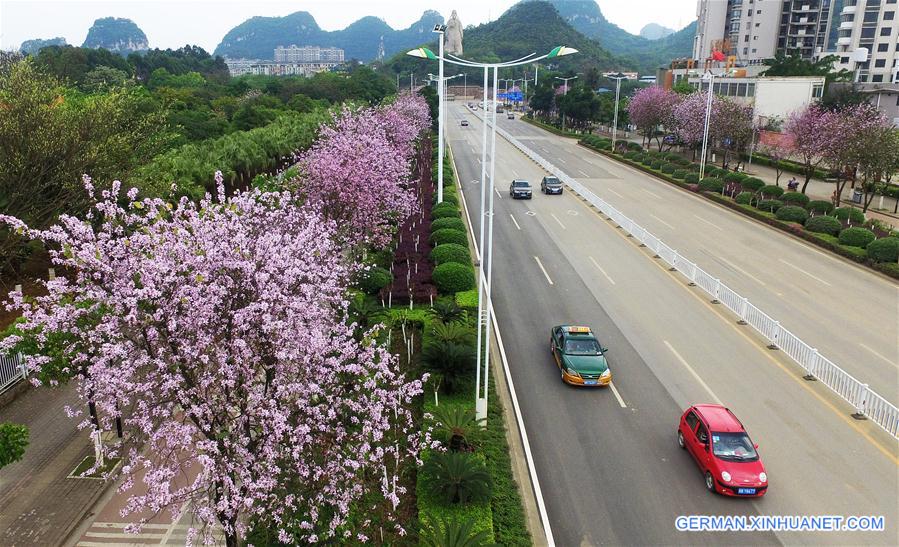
668 168
448 235
450 252
771 191
849 213
679 173
752 184
634 146
440 210
467 299
457 477
447 198
711 184
823 225
447 311
449 222
711 171
770 205
819 206
375 279
744 198
691 178
856 237
452 277
885 249
647 160
795 198
13 441
454 362
455 531
792 213
731 176
657 164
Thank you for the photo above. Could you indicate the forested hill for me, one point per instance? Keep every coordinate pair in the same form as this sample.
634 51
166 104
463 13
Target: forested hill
121 36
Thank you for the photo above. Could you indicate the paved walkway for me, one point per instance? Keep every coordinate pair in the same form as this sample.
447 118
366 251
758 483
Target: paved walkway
39 503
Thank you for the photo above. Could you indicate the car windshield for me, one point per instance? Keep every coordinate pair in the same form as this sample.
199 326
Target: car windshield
582 347
734 447
520 183
552 181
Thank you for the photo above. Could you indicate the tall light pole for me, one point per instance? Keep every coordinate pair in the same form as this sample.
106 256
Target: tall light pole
618 77
705 130
485 247
441 30
565 93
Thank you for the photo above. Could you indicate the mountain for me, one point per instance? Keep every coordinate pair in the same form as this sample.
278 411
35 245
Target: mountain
653 31
257 37
647 55
31 47
116 35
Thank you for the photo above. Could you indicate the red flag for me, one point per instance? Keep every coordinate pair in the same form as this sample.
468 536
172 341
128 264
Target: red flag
717 55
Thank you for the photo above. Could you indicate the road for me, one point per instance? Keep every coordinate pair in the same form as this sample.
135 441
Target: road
613 474
849 314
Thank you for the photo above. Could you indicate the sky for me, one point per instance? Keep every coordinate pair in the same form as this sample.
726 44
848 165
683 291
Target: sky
174 23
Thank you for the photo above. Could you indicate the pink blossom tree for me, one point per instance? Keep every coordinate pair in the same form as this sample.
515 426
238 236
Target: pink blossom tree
217 332
689 119
807 130
650 108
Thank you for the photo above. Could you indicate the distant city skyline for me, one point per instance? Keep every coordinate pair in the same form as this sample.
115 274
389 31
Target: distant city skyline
172 23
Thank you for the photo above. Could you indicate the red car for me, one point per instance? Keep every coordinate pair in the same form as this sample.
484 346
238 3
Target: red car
723 450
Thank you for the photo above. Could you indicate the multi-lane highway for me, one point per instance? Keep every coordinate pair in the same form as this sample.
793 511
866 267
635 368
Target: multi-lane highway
607 461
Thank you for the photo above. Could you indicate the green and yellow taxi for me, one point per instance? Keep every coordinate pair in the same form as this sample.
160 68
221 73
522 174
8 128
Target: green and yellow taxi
579 355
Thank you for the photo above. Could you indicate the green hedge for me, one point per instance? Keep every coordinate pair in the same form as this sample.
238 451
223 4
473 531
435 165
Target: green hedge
819 206
680 173
792 213
824 225
772 191
744 198
752 184
856 237
769 205
375 279
450 252
447 198
448 235
735 177
657 164
691 178
669 168
440 207
851 214
467 299
885 249
445 213
648 160
449 222
711 184
452 277
795 198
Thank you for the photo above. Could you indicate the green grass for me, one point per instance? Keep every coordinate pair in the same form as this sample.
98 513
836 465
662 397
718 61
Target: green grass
467 299
108 465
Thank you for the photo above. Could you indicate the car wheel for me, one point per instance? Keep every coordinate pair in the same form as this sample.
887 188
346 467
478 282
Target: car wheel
709 482
680 440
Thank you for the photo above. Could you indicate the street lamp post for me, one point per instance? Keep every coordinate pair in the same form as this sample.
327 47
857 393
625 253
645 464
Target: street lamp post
441 30
618 77
705 130
565 93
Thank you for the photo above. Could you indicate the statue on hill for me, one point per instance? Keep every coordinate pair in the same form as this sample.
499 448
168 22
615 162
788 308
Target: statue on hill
453 35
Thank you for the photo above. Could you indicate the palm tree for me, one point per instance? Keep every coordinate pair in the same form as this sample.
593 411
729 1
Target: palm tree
452 532
447 311
364 311
451 332
454 361
458 477
458 423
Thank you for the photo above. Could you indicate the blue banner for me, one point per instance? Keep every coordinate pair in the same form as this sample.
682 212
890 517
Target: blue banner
513 96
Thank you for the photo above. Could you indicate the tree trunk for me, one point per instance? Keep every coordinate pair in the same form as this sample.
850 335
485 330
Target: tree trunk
808 176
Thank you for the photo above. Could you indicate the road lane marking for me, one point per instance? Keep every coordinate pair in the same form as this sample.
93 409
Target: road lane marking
598 267
662 221
712 224
543 270
890 361
742 271
795 267
614 192
693 372
479 160
653 194
585 175
617 395
497 193
515 221
557 220
561 160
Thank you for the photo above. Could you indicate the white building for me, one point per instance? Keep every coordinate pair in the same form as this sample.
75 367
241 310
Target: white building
873 25
238 67
308 54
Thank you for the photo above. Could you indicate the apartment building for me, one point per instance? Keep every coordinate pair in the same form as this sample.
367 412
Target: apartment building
308 54
754 30
874 26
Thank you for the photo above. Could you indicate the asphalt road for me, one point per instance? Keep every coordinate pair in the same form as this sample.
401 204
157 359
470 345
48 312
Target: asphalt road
848 313
610 470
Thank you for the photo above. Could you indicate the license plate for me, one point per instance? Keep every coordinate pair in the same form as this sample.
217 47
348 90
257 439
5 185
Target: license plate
589 382
745 490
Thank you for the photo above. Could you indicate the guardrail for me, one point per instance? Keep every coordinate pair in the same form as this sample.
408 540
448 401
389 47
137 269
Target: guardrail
866 402
12 369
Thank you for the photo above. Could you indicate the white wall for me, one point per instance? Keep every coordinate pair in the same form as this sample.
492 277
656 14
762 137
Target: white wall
778 97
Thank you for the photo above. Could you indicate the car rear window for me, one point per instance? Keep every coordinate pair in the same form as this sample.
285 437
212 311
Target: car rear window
520 183
550 180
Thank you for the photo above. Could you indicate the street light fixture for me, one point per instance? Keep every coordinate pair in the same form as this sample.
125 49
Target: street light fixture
565 93
618 77
710 77
486 247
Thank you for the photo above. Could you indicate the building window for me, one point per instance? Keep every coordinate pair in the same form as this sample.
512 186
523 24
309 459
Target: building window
844 60
885 31
758 12
888 15
817 91
883 47
745 51
755 37
746 38
741 90
868 32
877 78
750 90
880 63
754 50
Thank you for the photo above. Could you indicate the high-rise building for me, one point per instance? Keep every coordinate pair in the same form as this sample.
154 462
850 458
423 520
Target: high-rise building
754 30
308 54
873 25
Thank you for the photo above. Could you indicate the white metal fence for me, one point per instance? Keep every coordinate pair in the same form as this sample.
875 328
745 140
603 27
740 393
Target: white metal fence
866 402
12 369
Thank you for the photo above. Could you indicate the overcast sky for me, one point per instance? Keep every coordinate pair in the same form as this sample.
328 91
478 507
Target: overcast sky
173 23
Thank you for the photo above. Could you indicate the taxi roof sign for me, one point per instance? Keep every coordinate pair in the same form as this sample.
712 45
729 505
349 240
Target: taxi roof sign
579 329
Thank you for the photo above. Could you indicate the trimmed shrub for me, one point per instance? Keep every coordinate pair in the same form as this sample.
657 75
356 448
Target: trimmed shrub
454 223
634 146
856 237
711 184
375 279
849 213
691 178
771 191
452 277
437 210
450 252
448 235
647 160
885 249
744 198
795 198
732 176
657 164
632 155
668 168
445 213
447 198
679 173
711 171
823 225
770 205
752 184
792 213
819 206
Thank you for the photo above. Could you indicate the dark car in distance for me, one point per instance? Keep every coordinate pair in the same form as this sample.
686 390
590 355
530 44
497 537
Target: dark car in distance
551 185
464 123
520 189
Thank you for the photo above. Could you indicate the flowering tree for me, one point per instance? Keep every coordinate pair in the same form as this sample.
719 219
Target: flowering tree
219 330
357 173
650 108
851 145
807 130
689 118
733 128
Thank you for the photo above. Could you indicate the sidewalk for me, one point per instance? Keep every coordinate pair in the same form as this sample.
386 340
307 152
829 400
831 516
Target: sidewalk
39 504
